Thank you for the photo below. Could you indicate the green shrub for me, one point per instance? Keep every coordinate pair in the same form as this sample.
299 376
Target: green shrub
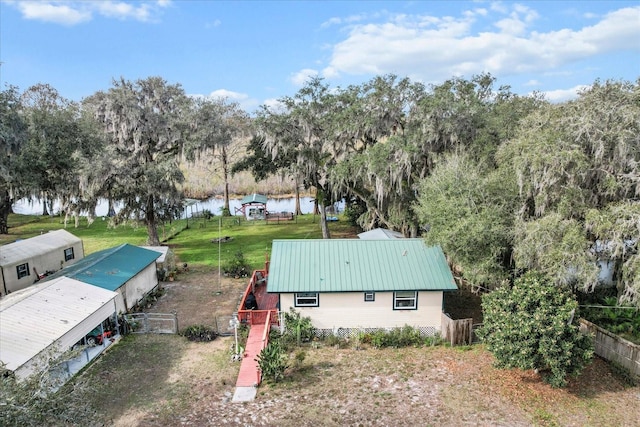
199 333
298 329
272 362
406 336
533 326
334 340
237 267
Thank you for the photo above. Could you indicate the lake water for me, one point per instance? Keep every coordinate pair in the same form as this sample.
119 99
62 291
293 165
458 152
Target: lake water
213 205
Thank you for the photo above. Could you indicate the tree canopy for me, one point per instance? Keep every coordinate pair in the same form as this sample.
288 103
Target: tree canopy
504 183
146 124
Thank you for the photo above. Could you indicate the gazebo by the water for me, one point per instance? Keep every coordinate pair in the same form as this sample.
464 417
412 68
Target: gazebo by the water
253 206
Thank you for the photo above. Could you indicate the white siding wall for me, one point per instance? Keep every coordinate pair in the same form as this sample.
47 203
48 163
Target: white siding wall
349 310
52 261
140 285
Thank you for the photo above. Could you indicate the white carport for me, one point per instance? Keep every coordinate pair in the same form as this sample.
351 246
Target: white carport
47 319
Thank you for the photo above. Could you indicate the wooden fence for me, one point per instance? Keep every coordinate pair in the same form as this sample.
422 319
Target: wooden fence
457 332
611 347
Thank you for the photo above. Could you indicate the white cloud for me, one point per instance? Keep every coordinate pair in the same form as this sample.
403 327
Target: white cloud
518 20
213 24
76 12
561 95
302 76
122 10
244 101
532 83
274 105
442 47
228 94
55 12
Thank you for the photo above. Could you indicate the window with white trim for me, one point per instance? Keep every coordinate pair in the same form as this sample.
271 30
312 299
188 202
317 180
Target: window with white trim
369 296
23 270
405 300
68 254
306 299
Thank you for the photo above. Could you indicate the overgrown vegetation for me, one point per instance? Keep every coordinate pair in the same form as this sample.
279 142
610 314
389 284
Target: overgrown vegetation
297 329
199 333
237 267
608 314
37 401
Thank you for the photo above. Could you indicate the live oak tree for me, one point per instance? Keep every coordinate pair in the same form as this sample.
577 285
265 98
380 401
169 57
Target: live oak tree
377 171
146 123
13 132
46 161
300 128
262 165
533 325
216 124
470 212
577 166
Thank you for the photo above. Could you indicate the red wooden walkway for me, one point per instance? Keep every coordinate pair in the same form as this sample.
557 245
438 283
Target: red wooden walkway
249 375
259 322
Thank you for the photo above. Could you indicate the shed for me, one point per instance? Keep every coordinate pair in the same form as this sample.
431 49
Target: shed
253 206
166 261
353 284
379 234
24 262
126 269
47 319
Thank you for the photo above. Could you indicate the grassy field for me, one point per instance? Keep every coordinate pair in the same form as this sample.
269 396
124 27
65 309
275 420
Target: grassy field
192 240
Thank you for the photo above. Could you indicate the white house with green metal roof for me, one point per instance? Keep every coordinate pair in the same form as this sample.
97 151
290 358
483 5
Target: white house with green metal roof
126 269
347 284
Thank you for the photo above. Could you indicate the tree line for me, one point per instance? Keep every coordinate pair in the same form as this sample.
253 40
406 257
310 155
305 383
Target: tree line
505 183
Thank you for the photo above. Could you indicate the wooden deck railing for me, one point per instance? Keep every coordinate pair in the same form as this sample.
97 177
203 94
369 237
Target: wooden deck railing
257 285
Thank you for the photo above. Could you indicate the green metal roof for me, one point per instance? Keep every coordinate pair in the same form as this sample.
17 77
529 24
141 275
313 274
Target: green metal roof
110 268
351 265
254 198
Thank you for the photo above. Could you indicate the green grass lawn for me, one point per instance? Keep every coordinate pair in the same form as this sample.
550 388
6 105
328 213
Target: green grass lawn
191 240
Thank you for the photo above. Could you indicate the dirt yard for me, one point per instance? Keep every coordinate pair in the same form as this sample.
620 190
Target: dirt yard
168 381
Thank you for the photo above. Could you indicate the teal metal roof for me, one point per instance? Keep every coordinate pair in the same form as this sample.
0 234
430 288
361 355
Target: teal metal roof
254 198
351 265
110 268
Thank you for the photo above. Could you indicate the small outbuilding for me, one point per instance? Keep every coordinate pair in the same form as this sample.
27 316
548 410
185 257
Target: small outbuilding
380 234
165 262
126 269
24 262
44 321
253 206
353 284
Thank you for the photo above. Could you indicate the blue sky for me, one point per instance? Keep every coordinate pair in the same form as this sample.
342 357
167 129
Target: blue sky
254 52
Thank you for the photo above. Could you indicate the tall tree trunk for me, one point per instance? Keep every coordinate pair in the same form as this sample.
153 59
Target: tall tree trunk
323 221
298 210
225 172
150 219
5 210
44 205
321 204
111 211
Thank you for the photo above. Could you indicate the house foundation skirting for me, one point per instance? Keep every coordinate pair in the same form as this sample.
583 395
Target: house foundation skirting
425 331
